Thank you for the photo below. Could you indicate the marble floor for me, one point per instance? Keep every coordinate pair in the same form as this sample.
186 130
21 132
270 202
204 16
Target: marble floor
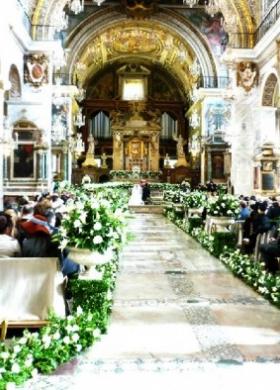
180 320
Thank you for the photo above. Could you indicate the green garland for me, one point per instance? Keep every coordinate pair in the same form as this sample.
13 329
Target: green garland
63 338
222 245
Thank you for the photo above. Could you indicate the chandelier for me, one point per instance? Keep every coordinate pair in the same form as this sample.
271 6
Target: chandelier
190 3
212 7
79 119
98 2
60 21
58 130
76 6
81 94
76 144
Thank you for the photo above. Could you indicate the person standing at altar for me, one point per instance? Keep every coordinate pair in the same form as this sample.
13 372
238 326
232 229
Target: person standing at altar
146 193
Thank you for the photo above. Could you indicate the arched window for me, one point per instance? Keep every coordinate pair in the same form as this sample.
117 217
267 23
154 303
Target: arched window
14 78
169 126
100 125
269 91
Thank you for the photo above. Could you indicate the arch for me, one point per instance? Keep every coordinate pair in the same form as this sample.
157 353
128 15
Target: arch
14 78
269 89
45 11
171 41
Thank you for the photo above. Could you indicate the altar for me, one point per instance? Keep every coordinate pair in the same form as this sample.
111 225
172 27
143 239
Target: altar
136 139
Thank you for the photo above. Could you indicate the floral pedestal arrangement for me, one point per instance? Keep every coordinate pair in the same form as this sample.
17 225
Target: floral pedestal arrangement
219 224
90 259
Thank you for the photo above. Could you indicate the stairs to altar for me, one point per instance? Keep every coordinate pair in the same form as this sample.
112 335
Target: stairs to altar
147 209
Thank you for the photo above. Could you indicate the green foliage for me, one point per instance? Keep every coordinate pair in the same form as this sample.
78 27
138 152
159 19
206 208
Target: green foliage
221 245
254 274
223 240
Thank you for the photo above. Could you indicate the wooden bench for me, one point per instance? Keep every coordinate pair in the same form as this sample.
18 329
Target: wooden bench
30 288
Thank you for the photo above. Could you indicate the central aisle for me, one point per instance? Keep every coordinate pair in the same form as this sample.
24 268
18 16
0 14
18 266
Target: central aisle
179 316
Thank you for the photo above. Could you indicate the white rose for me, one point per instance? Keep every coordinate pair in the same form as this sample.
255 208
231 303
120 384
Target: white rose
75 337
96 333
78 347
10 386
46 340
56 336
15 368
97 240
34 372
77 223
79 310
22 340
28 363
97 226
66 340
4 355
17 348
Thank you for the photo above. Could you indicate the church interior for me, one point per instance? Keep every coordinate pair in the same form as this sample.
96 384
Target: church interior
147 133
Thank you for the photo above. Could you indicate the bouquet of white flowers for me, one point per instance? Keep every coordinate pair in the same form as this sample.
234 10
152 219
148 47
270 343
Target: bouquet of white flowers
90 224
223 206
194 200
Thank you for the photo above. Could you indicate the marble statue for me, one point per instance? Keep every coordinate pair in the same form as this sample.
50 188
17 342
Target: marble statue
90 161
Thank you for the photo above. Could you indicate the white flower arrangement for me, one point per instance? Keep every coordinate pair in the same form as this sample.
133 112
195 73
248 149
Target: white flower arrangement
223 206
89 224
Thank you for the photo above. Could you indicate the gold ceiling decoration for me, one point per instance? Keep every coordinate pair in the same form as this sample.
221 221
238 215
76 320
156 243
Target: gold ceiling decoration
45 10
137 42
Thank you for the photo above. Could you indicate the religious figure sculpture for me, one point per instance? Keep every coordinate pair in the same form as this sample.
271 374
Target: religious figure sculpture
90 161
167 161
247 75
118 139
181 162
103 159
154 141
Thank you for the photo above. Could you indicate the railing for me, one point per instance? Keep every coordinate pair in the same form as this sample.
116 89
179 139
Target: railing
249 40
269 20
214 82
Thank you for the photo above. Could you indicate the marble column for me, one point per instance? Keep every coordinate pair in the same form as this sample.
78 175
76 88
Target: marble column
1 146
245 137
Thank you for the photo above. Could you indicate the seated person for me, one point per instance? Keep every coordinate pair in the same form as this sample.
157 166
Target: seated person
244 211
273 212
259 223
9 246
269 253
38 231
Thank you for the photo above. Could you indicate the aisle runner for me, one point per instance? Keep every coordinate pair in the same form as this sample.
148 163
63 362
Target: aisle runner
177 311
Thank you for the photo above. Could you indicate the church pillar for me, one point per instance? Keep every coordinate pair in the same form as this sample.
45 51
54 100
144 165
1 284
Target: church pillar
268 125
1 144
245 137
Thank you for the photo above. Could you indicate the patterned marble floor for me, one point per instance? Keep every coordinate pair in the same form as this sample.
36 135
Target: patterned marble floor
180 320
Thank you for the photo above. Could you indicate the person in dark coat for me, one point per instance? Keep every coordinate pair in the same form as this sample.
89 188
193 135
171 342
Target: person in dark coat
146 193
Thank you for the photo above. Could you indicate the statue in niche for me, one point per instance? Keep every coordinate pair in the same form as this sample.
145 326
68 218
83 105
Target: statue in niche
90 161
103 159
118 139
154 141
181 158
180 145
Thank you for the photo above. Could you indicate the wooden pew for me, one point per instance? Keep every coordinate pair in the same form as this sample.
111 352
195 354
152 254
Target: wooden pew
29 288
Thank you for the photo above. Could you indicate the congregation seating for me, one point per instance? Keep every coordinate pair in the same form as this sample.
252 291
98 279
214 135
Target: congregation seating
31 287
